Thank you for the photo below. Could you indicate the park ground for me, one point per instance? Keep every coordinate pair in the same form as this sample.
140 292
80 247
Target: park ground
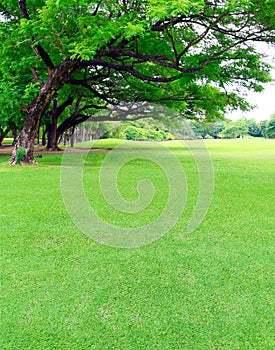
212 289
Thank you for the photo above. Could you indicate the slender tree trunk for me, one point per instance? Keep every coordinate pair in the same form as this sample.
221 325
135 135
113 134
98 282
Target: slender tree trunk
48 132
52 136
59 137
14 135
97 134
57 78
52 133
72 137
43 141
38 135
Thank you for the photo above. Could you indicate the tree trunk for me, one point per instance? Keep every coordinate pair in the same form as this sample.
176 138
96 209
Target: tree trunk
52 144
38 136
26 140
14 135
43 141
72 137
52 132
57 78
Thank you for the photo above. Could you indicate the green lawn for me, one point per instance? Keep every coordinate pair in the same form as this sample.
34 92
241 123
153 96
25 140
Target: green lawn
212 289
7 141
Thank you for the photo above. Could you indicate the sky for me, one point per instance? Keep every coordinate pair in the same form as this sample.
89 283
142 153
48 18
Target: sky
265 100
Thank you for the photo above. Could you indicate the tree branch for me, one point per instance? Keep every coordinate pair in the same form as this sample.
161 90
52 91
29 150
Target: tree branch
42 53
132 71
23 9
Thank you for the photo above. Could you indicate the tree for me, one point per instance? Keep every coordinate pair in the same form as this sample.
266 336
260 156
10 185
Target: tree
270 129
253 128
182 54
263 127
209 130
236 129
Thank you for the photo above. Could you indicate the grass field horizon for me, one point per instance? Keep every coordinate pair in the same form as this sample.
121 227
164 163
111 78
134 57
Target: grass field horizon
212 289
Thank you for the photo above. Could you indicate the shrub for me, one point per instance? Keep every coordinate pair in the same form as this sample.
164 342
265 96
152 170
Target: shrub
20 154
134 133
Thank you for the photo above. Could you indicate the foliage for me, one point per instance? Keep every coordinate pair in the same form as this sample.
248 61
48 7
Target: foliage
2 131
134 133
140 130
200 38
150 129
253 128
270 128
232 129
235 129
20 154
195 57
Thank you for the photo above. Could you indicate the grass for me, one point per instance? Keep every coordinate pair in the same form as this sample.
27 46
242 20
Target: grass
212 289
7 141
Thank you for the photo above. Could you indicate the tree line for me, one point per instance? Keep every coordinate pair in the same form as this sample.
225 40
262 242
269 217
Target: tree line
169 129
152 129
235 129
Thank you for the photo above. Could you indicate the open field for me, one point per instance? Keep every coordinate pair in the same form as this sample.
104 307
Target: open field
212 289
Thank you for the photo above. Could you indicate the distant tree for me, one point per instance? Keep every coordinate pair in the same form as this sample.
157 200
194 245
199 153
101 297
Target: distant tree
242 127
206 130
263 127
134 133
179 129
253 128
200 129
236 129
216 128
270 129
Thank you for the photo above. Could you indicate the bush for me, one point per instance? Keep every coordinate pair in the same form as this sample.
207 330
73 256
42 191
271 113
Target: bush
20 154
134 133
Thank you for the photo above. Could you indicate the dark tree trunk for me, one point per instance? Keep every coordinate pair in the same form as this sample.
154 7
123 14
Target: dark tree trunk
57 78
26 140
38 135
14 135
43 141
1 140
52 127
53 134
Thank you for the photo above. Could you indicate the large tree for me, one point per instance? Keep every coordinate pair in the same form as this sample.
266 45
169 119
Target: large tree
180 53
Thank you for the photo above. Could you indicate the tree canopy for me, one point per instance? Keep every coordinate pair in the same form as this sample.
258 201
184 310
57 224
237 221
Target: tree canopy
193 56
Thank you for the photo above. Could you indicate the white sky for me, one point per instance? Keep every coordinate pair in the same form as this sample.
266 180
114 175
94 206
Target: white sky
265 100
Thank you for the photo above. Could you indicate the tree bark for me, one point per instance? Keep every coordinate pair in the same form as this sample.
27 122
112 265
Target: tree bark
38 135
14 135
72 137
56 79
44 132
52 135
52 132
52 126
